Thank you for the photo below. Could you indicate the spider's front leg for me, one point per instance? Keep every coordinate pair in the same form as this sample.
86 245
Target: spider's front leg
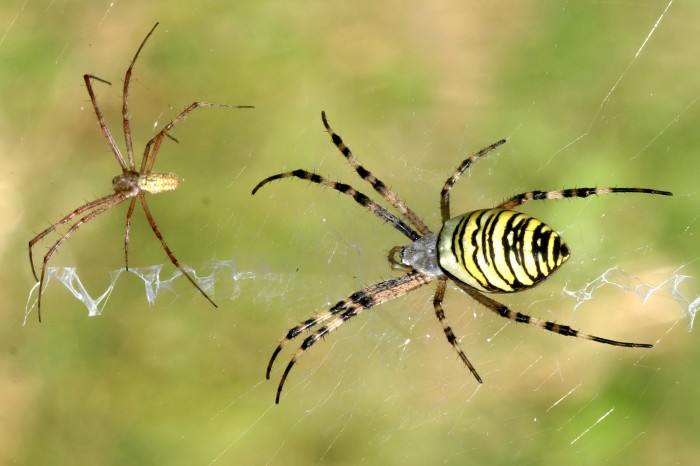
342 312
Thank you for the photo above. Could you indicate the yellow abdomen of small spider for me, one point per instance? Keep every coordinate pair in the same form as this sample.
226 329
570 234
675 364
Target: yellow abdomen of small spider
498 250
155 183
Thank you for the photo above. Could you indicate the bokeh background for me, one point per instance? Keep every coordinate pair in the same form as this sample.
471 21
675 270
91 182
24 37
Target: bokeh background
587 93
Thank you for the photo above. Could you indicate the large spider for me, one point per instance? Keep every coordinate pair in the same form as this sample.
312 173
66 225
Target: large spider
495 250
130 184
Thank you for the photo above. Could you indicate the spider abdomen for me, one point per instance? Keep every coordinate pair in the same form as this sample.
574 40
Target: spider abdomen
155 183
497 250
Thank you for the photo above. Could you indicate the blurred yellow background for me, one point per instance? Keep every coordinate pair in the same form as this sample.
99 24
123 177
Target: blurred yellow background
587 94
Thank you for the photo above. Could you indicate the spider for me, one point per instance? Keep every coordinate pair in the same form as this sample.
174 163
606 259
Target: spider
496 250
129 184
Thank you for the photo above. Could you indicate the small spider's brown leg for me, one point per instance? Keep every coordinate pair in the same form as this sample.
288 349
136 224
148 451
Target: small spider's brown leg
149 157
445 193
109 203
376 183
358 302
125 98
360 198
129 213
100 119
565 330
175 262
521 199
451 338
78 211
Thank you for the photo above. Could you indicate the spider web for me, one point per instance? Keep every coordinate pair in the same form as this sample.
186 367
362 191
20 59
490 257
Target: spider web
629 283
187 386
154 285
225 271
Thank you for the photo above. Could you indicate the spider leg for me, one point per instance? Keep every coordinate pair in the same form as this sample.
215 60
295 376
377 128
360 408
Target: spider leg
351 307
109 202
129 213
340 306
360 198
78 211
294 332
565 330
521 199
376 183
445 193
149 157
100 119
175 262
125 98
451 338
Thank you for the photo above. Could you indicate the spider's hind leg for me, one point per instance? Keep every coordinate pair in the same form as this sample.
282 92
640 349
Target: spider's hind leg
170 254
565 330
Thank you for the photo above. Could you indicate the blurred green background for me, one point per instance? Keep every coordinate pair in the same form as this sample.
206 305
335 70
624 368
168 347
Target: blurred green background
413 88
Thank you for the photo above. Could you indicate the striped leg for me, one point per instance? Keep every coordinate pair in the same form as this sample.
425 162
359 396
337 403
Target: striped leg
445 193
451 338
344 311
376 183
565 330
521 199
360 198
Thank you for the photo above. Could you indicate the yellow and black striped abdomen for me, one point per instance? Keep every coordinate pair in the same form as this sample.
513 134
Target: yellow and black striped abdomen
498 250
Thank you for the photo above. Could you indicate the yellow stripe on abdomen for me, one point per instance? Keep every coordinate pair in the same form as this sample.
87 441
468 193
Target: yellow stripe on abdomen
498 250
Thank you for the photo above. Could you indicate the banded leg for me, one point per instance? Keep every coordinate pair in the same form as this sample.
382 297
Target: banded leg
106 204
170 254
445 193
360 198
149 157
565 330
344 311
521 199
125 98
376 183
451 338
340 307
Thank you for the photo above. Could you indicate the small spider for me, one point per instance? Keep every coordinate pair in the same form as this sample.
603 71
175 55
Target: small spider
130 184
495 250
